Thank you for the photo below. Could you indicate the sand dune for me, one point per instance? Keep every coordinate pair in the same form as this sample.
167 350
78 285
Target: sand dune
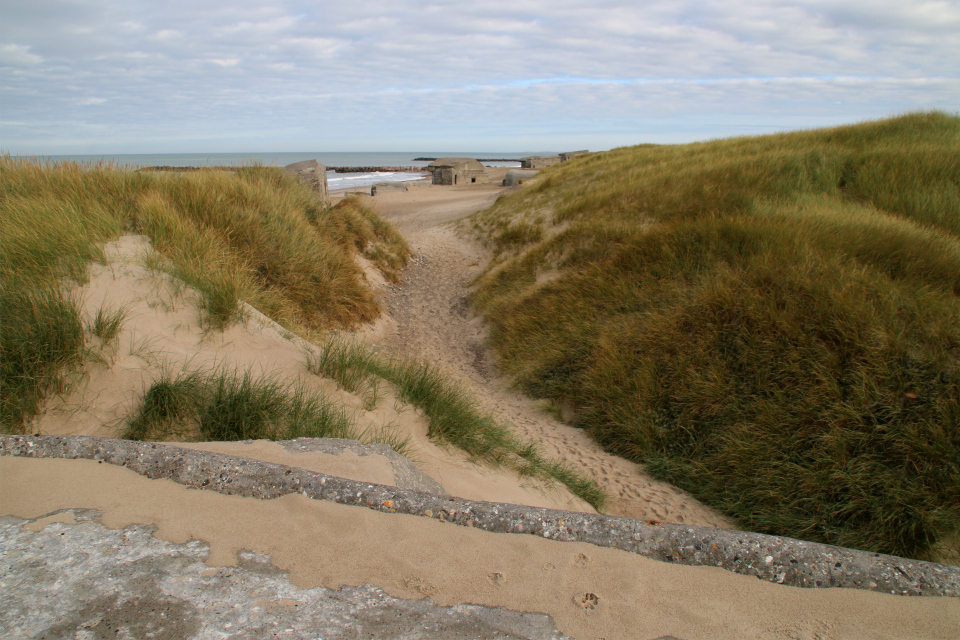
589 591
433 320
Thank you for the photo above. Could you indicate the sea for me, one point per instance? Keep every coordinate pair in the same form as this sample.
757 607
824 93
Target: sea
331 159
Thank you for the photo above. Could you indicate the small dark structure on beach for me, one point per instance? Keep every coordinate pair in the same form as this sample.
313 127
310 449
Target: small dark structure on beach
313 173
569 155
457 171
538 162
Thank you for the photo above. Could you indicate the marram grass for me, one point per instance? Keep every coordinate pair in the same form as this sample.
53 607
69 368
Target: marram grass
455 418
254 235
771 323
232 405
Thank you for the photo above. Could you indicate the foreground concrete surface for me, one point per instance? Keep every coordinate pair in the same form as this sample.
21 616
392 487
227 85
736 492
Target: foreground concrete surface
68 576
109 538
771 558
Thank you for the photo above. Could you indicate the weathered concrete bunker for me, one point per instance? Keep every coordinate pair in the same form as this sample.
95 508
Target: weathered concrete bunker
456 171
313 173
538 162
386 187
569 155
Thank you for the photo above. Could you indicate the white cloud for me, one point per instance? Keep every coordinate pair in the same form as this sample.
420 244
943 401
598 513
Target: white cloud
18 55
167 34
425 69
313 46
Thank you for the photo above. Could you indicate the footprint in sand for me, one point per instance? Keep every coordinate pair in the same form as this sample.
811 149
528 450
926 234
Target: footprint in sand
581 560
496 578
588 601
419 585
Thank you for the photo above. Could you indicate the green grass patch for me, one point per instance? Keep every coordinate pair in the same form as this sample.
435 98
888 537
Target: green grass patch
230 406
454 416
41 339
770 323
351 364
106 325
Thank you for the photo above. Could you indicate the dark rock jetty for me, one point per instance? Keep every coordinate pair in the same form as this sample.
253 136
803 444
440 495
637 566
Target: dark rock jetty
374 169
478 159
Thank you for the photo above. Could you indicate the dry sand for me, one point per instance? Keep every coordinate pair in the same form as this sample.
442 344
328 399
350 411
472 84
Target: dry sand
331 544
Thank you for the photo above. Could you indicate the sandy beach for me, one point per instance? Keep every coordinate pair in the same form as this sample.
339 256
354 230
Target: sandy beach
321 543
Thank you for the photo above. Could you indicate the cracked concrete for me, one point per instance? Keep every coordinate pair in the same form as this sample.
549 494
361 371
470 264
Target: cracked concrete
76 579
771 558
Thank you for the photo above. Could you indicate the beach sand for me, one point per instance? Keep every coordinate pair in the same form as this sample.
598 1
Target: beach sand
322 543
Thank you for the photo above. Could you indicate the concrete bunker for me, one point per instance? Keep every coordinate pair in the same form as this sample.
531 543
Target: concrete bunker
312 173
569 155
386 187
456 171
538 162
519 176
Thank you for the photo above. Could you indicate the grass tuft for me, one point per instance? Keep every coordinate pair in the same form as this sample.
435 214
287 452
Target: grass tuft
107 325
351 364
230 406
168 408
41 338
390 435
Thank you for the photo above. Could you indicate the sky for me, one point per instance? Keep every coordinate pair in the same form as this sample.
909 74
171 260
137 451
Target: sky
133 76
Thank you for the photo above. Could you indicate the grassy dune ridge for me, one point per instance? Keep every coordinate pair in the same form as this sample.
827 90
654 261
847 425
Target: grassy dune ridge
256 235
771 323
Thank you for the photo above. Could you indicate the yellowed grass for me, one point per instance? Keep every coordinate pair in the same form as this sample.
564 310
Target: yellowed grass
771 323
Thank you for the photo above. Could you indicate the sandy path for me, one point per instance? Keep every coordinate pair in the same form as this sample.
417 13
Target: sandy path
435 323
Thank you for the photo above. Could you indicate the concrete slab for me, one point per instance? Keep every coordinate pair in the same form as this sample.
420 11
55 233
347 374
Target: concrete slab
74 578
771 558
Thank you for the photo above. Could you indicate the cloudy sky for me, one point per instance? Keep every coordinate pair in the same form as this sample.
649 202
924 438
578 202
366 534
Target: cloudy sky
133 76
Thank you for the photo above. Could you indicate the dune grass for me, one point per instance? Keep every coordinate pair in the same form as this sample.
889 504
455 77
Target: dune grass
255 235
770 323
455 418
224 405
106 325
41 340
232 405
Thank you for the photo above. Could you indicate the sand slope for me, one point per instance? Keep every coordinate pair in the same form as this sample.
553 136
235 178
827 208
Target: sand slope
163 332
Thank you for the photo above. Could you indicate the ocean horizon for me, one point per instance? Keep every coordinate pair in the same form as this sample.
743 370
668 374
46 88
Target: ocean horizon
335 181
280 158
